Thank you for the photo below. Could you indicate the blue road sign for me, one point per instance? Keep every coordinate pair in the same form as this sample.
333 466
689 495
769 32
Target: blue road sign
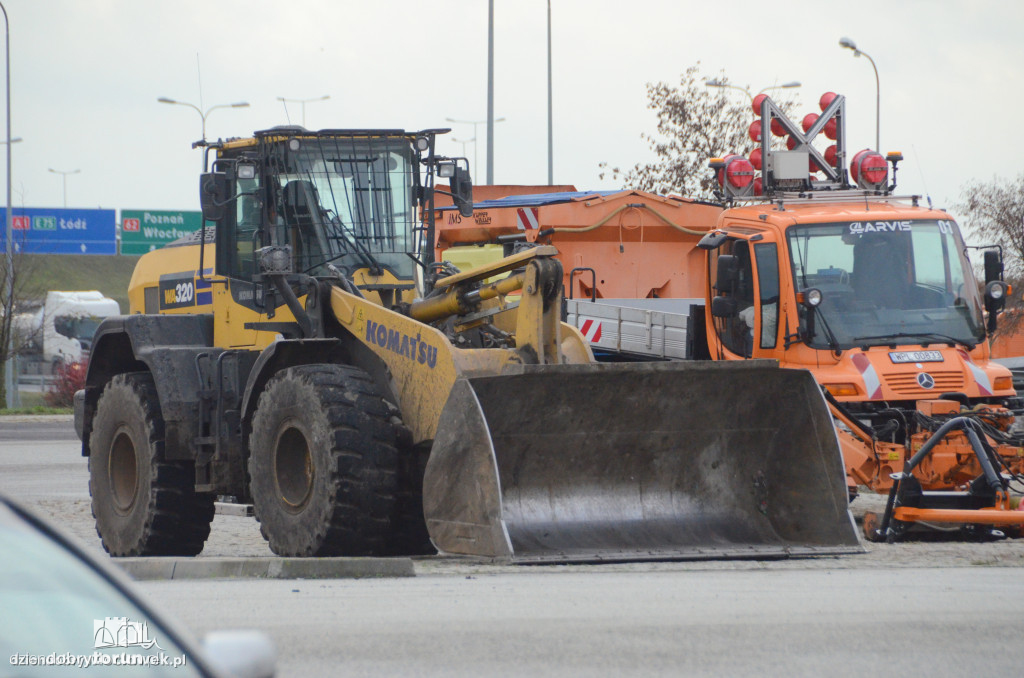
42 230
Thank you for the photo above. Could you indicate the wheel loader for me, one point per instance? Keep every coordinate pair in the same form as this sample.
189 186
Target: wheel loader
305 352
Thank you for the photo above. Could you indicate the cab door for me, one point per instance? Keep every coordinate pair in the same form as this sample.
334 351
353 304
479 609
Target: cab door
744 308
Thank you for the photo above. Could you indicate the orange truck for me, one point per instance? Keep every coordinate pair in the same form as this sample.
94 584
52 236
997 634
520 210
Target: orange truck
825 271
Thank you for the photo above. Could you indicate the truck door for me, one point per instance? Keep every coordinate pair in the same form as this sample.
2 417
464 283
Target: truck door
745 305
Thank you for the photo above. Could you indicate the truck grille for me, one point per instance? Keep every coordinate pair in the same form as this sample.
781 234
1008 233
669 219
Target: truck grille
906 384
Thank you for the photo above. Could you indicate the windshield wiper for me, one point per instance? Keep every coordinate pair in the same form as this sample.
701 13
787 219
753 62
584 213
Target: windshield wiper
935 336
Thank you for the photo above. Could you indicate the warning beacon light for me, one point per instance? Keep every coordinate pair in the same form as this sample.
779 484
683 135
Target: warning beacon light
735 175
870 170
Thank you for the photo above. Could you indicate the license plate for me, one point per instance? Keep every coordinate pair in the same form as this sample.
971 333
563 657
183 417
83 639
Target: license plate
916 356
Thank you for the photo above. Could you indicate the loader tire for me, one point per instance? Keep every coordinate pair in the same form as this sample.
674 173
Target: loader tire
409 535
143 505
323 461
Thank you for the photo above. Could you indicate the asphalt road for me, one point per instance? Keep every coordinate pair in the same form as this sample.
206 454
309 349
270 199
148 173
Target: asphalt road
546 622
915 609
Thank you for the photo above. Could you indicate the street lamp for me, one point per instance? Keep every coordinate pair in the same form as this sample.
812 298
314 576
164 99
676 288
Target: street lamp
474 123
240 104
303 102
714 82
464 142
65 176
850 44
8 244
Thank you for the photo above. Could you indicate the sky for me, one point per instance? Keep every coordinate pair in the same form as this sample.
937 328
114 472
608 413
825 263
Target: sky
86 76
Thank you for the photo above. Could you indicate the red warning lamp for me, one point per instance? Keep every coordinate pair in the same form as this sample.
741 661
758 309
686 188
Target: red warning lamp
777 128
758 186
809 121
755 131
826 99
830 129
791 142
755 158
831 155
758 100
869 169
738 172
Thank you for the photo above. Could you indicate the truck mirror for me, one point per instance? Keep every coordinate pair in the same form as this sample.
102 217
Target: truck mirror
213 194
462 190
993 266
728 273
724 307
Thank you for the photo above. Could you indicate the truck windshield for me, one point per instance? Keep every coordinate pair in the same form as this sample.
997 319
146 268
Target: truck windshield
349 201
81 327
904 282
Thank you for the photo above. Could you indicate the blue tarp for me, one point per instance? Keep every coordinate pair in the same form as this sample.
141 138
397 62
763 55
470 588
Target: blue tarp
534 199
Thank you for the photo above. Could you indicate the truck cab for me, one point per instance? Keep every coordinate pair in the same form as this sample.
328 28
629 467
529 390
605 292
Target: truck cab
880 303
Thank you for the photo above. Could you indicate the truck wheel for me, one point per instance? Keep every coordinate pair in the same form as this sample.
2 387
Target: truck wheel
323 463
143 505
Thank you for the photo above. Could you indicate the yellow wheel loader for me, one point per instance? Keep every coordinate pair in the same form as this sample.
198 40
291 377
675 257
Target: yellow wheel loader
305 353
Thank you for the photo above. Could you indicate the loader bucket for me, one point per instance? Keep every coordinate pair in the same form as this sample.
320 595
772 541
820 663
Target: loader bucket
639 461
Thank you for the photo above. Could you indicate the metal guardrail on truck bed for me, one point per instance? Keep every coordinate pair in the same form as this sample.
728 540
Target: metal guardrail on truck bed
647 327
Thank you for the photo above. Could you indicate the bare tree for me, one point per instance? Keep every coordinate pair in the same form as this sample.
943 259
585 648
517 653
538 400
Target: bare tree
695 123
14 291
993 212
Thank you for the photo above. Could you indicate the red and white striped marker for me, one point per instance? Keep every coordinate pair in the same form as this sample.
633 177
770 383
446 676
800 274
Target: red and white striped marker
527 219
872 384
591 330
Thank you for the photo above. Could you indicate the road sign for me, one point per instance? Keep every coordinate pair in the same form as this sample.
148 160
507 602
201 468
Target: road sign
44 230
146 230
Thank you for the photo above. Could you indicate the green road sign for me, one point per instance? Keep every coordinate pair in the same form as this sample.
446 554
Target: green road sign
146 230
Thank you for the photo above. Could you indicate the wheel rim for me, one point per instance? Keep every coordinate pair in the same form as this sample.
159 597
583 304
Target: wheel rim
123 471
293 469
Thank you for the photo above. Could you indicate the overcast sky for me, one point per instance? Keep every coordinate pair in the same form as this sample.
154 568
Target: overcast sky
86 75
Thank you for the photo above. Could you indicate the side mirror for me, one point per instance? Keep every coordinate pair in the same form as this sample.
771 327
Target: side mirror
462 190
724 307
728 273
213 194
993 266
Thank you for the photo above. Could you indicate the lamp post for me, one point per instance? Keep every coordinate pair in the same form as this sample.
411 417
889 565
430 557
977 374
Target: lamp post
464 142
64 175
850 44
551 133
474 123
714 82
8 244
303 102
240 104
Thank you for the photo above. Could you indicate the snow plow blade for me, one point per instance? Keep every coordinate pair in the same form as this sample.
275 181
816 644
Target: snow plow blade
640 461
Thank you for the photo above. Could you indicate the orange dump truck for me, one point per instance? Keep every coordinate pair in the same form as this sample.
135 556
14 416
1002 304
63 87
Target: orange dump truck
873 293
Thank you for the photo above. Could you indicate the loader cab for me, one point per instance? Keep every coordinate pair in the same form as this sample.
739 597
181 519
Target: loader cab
744 306
327 204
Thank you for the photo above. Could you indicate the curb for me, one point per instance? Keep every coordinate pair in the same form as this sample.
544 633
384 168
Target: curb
148 569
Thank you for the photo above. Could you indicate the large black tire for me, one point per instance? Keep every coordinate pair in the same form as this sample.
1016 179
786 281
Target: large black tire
143 505
409 535
323 459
